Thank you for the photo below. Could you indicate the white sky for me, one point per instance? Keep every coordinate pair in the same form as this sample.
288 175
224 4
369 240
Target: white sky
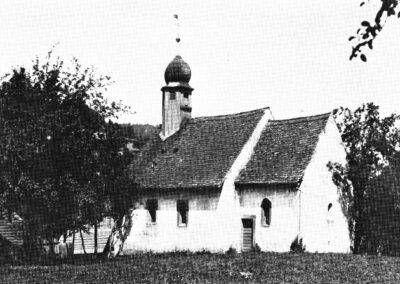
289 55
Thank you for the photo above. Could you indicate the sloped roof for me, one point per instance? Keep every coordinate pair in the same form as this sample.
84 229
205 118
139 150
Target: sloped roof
284 151
198 155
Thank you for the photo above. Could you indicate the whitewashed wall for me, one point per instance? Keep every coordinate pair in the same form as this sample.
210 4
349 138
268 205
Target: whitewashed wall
201 233
204 230
322 231
284 225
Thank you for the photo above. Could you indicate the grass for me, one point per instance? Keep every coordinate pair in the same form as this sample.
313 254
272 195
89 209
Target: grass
213 268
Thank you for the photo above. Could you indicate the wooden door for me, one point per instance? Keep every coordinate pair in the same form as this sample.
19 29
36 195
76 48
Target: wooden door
247 238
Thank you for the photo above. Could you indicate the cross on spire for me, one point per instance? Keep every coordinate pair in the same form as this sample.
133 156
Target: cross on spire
178 39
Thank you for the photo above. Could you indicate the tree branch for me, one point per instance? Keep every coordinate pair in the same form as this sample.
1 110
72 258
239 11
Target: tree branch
370 32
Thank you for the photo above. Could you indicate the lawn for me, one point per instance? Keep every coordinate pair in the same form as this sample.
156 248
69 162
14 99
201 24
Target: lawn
213 268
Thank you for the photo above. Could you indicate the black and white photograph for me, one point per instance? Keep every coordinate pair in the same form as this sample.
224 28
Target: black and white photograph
200 141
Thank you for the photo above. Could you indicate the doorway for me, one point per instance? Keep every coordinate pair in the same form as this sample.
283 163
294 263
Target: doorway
247 234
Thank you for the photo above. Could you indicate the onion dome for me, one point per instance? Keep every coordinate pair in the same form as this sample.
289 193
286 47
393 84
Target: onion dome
177 71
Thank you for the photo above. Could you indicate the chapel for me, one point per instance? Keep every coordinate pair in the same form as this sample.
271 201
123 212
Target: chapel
235 181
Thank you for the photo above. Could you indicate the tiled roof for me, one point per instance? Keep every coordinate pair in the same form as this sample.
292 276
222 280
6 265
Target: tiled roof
284 151
198 155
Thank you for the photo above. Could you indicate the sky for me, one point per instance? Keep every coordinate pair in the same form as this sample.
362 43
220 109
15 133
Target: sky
292 56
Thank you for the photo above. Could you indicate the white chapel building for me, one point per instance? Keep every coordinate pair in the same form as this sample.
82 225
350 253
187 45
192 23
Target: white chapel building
236 181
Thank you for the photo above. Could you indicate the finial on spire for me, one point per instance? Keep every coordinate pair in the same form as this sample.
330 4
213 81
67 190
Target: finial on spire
178 39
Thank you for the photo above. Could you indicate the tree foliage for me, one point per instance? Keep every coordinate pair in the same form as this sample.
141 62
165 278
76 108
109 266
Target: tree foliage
62 157
370 142
368 31
382 203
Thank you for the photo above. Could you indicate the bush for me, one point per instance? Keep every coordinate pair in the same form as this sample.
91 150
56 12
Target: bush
256 248
231 251
381 235
297 246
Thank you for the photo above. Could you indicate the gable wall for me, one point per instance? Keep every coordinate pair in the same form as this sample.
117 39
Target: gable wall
284 215
322 231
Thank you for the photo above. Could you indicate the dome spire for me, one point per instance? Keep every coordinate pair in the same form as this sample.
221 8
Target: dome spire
177 94
178 71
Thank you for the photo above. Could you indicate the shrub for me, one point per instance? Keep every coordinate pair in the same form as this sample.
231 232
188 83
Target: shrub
256 248
297 246
231 251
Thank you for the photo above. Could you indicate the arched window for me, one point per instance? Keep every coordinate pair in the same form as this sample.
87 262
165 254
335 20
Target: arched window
266 212
152 207
329 217
182 206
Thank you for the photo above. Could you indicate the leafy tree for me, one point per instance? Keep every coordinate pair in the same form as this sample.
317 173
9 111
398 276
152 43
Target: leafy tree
62 157
382 202
367 33
370 142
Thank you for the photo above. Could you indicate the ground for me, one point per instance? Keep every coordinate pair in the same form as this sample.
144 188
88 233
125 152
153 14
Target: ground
213 268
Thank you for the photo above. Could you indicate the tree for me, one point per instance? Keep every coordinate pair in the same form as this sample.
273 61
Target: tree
367 33
382 202
370 142
62 157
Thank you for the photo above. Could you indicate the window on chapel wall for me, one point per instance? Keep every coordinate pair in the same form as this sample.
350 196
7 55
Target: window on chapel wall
152 207
182 207
266 212
329 217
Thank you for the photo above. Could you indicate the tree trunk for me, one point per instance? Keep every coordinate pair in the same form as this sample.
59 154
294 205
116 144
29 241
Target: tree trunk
95 239
357 237
359 219
73 242
51 243
83 243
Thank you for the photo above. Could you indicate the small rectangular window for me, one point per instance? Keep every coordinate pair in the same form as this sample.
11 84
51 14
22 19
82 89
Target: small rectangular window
152 207
182 206
172 96
266 212
186 95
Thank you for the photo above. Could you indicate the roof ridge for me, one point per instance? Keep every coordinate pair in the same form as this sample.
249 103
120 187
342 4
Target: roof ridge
303 118
223 116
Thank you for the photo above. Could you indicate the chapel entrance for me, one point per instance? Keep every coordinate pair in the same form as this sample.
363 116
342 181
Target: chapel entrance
247 234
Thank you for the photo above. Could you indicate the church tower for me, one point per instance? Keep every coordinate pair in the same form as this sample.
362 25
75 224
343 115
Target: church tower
176 96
